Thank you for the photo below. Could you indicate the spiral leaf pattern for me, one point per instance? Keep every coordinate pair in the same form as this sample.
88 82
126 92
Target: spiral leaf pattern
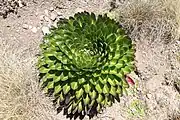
84 61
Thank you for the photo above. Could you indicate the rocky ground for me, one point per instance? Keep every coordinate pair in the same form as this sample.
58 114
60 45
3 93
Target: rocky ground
156 95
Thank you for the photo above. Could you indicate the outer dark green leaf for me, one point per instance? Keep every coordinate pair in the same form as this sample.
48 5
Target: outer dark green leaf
74 85
57 89
106 89
86 100
66 88
87 88
79 93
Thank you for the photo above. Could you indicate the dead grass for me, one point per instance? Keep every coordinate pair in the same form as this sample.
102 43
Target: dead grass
150 19
20 98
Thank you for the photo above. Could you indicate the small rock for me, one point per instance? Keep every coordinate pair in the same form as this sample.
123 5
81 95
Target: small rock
60 17
41 17
36 13
30 27
149 96
34 29
45 30
55 24
46 19
178 42
25 26
79 10
49 25
51 8
20 4
46 12
53 16
59 13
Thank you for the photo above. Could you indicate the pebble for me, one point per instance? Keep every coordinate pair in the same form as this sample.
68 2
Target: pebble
36 13
25 26
46 19
178 42
30 27
41 17
20 4
79 10
55 24
45 30
34 29
51 8
53 16
59 13
46 12
149 96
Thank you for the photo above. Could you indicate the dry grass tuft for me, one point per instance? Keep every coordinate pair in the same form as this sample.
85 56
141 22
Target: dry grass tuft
150 19
20 97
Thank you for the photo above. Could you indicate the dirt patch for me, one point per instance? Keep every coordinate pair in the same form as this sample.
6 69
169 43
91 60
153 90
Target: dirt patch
10 6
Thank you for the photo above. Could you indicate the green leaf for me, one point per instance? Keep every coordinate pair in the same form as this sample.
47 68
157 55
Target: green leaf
125 84
119 90
74 85
92 103
117 55
98 88
81 81
64 78
79 93
86 100
106 89
46 90
126 70
70 109
52 66
109 103
57 89
74 111
47 54
61 97
74 104
93 94
99 99
66 88
118 81
49 76
58 66
103 102
43 46
103 81
98 108
50 85
113 91
87 88
124 91
113 61
43 70
111 82
80 107
57 78
120 64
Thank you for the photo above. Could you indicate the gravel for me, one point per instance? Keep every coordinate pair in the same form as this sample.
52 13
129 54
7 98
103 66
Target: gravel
10 6
45 30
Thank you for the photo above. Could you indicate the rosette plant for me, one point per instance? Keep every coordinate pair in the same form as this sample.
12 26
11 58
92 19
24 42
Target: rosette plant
84 61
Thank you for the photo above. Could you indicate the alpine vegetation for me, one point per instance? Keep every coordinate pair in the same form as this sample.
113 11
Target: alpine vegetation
84 62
